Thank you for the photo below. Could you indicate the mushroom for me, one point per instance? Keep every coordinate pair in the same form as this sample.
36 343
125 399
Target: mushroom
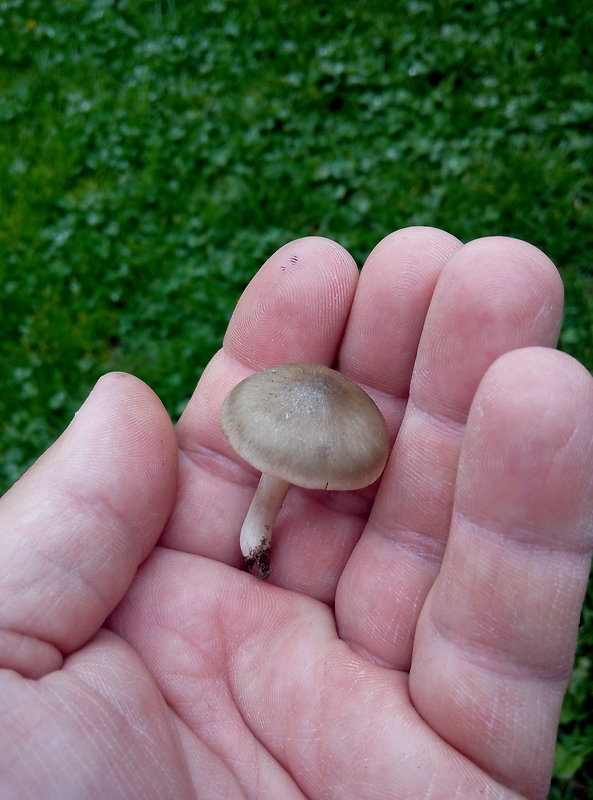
301 424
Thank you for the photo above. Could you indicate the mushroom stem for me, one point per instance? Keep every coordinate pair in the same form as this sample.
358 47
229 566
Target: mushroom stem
256 533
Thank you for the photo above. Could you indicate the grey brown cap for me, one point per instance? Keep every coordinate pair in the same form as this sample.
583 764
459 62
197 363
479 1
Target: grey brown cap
307 424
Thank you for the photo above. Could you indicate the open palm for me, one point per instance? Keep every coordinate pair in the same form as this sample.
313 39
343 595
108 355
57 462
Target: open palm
414 639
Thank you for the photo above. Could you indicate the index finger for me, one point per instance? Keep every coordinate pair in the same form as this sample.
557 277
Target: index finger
295 309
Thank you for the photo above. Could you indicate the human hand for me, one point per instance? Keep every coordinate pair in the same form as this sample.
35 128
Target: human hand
414 639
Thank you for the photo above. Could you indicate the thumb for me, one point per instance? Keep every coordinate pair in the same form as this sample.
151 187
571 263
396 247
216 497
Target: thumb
75 527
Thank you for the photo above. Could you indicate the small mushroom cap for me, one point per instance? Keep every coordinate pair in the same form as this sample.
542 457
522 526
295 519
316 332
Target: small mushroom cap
307 424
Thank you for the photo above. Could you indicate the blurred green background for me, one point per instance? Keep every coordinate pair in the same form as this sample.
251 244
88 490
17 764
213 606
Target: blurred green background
154 154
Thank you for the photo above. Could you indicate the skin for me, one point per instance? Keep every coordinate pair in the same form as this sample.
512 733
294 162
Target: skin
414 639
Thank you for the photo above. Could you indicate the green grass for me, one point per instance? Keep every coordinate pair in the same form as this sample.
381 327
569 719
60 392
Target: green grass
153 154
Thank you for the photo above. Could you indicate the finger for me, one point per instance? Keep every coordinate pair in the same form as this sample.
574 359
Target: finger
295 309
391 302
495 641
494 295
76 526
296 306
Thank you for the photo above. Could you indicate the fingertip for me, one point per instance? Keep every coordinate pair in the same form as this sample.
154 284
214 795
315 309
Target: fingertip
413 238
295 307
514 260
534 386
392 297
529 446
495 294
122 421
117 386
